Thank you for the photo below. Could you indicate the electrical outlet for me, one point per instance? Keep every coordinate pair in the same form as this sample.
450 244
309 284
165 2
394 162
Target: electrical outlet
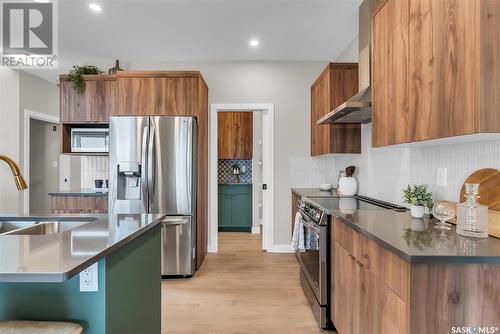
442 177
89 279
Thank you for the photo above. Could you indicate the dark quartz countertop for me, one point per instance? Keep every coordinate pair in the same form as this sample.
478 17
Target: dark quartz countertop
81 192
415 240
315 192
60 256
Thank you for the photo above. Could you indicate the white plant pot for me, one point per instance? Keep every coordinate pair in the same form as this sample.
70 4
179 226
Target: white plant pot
417 211
347 186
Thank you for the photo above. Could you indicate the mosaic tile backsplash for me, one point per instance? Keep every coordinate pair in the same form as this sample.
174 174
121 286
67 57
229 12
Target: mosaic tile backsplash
225 171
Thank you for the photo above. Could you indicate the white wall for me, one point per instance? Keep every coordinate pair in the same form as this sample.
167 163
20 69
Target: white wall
9 137
19 91
287 85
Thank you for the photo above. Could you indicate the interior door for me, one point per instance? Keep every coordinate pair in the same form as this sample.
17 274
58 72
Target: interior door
171 165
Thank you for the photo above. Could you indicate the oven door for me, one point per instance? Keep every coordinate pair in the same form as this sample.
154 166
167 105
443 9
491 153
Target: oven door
313 260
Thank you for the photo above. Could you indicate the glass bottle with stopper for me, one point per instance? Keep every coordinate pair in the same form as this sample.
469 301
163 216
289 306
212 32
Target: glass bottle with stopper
472 217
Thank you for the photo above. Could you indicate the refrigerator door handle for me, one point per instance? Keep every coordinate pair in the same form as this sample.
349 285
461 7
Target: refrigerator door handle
144 164
151 162
175 221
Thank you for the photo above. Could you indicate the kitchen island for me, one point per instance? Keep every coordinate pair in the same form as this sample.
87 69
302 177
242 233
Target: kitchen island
391 273
41 259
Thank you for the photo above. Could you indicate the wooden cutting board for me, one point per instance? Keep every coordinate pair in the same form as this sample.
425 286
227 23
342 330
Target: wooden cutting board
489 187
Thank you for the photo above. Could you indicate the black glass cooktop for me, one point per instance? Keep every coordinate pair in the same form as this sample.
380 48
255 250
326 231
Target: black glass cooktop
328 204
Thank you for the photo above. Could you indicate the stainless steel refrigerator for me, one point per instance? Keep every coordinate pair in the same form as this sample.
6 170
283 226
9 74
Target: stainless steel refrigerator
152 169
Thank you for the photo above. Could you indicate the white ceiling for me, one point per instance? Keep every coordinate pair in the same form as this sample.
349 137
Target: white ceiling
204 30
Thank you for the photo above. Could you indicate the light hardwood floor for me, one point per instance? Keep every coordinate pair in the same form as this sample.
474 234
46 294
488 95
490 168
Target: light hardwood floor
240 289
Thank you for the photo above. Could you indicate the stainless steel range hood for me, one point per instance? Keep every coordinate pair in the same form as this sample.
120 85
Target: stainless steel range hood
358 109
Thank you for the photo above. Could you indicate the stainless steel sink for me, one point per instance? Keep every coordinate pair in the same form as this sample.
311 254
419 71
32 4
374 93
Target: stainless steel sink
9 226
45 228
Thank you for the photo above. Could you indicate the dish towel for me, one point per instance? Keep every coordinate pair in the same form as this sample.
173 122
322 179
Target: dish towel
298 234
311 242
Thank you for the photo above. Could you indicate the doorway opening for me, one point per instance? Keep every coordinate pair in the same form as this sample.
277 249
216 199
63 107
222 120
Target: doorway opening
41 160
241 183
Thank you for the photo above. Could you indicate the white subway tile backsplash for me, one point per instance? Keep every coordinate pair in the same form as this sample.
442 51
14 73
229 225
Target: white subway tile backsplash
93 168
383 172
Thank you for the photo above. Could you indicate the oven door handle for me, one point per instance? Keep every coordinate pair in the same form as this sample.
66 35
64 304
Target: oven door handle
311 226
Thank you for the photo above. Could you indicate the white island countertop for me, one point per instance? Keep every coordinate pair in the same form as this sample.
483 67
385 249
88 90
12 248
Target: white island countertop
79 241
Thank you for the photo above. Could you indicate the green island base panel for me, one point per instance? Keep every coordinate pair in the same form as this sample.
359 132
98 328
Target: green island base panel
128 299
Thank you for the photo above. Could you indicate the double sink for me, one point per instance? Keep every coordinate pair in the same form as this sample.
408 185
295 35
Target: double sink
8 226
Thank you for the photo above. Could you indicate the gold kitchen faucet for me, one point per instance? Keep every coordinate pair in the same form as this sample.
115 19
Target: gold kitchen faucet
18 178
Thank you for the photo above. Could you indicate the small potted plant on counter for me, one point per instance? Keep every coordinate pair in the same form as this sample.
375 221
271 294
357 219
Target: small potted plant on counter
419 197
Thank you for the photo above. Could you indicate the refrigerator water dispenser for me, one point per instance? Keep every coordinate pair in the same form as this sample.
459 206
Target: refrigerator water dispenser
129 181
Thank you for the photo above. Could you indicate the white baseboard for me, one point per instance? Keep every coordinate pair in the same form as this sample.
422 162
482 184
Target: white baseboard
281 249
256 229
211 249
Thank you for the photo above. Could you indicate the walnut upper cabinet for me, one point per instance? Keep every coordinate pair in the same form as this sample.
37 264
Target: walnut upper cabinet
157 93
337 83
93 105
391 119
235 135
435 69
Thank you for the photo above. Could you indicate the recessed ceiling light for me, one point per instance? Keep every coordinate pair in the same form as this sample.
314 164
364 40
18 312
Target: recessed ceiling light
42 1
254 42
95 7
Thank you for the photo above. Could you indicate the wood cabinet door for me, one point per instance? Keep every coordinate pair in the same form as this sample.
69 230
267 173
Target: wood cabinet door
235 135
93 105
314 118
157 96
443 68
73 106
101 99
322 108
393 120
79 204
343 274
377 309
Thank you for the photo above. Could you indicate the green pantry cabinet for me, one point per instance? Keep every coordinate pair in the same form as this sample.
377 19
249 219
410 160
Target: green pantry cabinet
235 207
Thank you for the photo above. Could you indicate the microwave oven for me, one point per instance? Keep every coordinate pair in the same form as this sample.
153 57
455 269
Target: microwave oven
89 140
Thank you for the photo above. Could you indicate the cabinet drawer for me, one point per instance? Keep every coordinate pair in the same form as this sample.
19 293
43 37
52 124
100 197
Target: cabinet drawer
347 237
384 264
